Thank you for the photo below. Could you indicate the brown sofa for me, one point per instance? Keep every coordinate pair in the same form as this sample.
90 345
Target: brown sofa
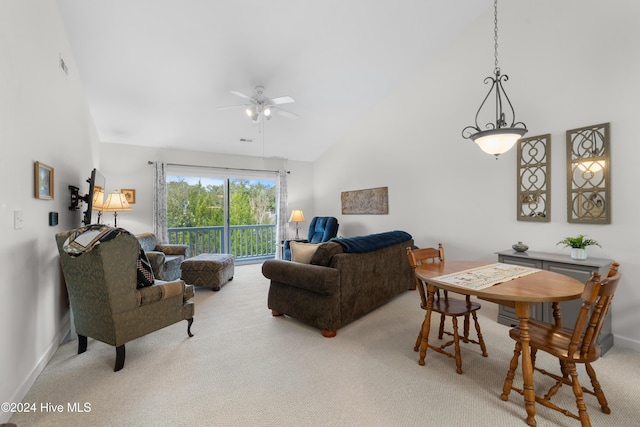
345 279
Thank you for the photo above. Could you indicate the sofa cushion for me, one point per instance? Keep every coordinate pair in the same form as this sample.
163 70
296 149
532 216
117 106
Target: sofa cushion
325 252
302 252
172 262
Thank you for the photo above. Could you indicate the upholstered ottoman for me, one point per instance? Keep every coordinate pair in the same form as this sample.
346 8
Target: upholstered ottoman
210 270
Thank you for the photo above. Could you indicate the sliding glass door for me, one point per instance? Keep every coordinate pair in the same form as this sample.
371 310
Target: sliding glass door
222 214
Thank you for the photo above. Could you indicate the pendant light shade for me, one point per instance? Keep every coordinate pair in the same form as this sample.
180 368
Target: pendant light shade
500 136
498 141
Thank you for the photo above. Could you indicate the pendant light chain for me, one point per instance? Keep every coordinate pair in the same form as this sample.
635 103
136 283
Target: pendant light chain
495 34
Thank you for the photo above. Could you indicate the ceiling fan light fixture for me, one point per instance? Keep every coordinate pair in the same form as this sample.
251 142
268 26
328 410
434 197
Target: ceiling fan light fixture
260 105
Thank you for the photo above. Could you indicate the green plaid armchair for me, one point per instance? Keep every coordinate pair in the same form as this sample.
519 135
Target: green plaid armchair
107 303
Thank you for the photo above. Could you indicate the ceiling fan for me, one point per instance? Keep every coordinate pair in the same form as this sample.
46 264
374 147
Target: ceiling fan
261 106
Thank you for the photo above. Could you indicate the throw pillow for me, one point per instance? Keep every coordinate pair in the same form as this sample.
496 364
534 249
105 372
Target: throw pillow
325 253
302 252
145 272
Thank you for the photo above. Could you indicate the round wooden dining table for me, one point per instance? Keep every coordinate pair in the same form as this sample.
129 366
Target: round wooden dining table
541 286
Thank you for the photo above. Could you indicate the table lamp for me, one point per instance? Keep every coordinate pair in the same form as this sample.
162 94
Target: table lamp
297 216
98 202
116 202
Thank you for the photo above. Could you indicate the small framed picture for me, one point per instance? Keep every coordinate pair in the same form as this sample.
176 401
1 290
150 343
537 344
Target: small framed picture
43 182
129 194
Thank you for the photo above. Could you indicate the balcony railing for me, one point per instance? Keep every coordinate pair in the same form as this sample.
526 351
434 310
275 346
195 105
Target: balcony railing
248 242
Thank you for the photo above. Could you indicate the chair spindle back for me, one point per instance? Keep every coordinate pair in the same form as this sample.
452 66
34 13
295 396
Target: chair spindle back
596 300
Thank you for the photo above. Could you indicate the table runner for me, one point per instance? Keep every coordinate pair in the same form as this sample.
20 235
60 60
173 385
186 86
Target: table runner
486 276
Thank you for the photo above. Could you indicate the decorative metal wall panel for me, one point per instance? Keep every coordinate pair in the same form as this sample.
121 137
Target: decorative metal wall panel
534 177
373 201
588 175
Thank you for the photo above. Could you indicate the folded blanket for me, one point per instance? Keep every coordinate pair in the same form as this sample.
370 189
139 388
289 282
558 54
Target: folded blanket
84 239
372 242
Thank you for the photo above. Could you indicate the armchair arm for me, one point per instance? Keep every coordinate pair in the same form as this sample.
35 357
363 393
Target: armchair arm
174 249
159 291
315 278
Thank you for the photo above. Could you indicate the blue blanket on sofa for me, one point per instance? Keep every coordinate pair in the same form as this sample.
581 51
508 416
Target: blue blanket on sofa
372 242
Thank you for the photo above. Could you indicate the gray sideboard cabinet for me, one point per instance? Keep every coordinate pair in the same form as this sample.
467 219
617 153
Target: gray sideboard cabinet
558 263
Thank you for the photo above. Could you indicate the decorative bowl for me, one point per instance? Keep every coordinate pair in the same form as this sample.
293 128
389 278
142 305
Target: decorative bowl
520 247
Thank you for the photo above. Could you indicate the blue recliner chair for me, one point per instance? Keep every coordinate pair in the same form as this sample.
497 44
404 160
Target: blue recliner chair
321 229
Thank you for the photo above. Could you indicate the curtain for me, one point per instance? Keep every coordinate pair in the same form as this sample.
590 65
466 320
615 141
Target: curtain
160 201
281 203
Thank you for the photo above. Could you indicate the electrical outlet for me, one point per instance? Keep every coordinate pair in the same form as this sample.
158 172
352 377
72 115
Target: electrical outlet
18 219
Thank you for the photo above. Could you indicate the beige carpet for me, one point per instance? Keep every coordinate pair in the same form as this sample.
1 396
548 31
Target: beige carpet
244 367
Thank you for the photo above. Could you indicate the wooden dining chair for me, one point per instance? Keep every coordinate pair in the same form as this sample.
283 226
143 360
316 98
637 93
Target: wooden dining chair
446 306
571 347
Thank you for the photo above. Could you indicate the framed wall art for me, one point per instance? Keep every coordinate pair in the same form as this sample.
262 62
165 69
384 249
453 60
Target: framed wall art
589 175
372 201
43 181
534 177
129 194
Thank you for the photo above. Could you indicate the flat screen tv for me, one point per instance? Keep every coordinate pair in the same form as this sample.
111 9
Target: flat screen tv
95 197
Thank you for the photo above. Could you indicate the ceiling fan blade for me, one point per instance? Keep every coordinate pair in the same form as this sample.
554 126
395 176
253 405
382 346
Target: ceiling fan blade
229 107
240 94
282 100
285 113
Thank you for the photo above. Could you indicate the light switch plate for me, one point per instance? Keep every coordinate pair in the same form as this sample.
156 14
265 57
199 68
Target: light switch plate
18 219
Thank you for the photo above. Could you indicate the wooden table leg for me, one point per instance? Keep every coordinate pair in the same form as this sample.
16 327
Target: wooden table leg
522 311
426 325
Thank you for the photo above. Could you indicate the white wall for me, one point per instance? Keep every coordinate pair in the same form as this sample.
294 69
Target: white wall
126 166
43 117
571 64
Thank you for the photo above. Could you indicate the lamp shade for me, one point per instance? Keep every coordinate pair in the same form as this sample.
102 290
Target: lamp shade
97 203
116 202
296 216
498 141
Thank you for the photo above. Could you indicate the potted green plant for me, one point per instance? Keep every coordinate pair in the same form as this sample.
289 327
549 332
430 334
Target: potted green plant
578 245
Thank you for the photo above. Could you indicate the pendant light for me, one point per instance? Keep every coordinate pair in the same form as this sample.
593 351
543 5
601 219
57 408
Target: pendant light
498 137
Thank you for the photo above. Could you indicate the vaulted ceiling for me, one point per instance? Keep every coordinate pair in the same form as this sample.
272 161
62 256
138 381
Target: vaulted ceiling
156 71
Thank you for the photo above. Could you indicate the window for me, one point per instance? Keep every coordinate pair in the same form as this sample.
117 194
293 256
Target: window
222 214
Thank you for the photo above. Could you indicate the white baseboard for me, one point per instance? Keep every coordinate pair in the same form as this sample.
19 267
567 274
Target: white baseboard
26 385
628 343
